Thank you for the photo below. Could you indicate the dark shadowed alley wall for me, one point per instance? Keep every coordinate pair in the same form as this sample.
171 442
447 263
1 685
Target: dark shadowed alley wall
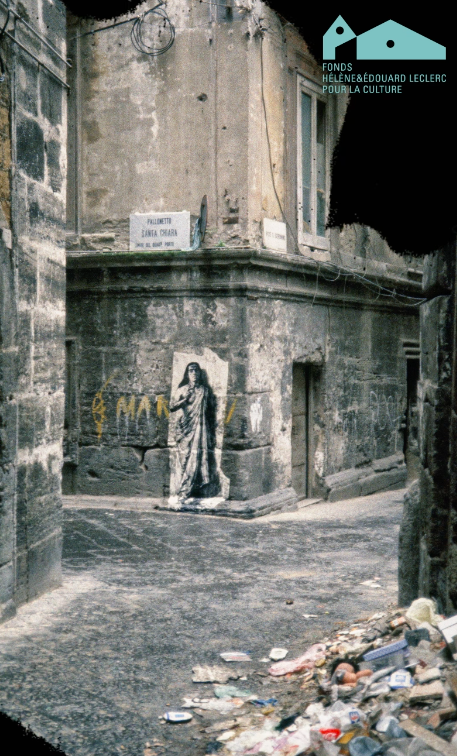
32 315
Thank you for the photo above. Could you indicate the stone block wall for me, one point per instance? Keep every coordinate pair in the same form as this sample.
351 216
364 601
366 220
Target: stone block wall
5 154
427 540
129 315
7 305
33 310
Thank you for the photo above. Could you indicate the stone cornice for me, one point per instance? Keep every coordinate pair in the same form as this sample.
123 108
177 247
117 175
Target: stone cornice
245 272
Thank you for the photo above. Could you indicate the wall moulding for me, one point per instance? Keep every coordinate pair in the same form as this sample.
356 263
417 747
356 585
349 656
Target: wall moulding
234 272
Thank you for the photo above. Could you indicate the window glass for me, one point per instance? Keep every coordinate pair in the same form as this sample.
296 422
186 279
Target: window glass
306 160
313 162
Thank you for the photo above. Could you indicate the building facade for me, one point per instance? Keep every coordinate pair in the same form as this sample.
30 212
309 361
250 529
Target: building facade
33 134
306 340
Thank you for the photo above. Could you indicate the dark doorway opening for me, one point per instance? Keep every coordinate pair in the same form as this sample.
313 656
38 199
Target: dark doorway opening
305 382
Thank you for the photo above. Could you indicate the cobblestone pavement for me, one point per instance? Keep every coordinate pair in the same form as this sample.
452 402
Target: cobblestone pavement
146 596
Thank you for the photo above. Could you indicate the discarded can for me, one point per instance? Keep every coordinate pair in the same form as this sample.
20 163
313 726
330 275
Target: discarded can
177 716
397 622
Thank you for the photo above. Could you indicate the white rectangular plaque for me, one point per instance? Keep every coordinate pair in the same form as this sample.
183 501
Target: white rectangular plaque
274 235
150 231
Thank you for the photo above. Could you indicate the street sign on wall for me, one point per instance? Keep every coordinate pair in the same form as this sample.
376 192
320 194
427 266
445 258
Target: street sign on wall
274 235
155 231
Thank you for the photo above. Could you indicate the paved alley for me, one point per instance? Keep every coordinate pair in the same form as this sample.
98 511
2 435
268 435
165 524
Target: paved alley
148 595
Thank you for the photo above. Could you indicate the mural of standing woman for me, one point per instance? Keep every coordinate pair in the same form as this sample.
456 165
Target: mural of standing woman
196 435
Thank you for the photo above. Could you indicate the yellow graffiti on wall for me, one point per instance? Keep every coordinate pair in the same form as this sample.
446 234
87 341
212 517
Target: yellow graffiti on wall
128 409
162 406
125 407
230 412
144 406
99 408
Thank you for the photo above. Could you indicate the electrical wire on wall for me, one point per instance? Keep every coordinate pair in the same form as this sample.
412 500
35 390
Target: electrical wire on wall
140 30
137 32
338 270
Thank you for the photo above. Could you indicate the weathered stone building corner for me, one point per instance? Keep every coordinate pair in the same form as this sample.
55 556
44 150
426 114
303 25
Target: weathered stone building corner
32 315
321 367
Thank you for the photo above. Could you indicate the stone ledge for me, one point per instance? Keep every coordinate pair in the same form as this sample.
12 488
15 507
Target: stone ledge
246 261
284 500
380 475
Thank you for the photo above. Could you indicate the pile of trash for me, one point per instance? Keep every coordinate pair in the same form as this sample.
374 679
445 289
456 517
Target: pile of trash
384 685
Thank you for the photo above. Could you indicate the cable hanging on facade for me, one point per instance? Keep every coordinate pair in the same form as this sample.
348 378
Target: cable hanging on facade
137 33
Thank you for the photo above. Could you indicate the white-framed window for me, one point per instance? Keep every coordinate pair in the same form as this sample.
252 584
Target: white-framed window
313 164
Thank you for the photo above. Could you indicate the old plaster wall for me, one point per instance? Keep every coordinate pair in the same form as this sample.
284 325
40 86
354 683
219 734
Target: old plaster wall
177 124
33 312
224 126
360 386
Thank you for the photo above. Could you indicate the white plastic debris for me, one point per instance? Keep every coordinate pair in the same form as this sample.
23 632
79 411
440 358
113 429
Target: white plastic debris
213 674
229 735
278 653
235 656
272 742
306 661
314 712
344 716
384 723
222 705
448 629
177 716
251 738
371 584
